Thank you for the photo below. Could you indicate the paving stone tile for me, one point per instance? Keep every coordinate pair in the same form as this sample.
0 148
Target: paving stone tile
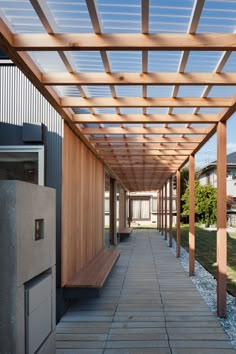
80 345
139 351
147 296
137 344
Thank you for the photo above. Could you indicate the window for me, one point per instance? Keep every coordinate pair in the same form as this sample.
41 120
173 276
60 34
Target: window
107 205
140 208
24 163
154 204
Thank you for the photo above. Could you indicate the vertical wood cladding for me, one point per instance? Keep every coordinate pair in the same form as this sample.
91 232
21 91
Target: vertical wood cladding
82 205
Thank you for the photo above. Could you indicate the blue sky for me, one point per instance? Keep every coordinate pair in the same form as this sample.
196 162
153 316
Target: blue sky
208 152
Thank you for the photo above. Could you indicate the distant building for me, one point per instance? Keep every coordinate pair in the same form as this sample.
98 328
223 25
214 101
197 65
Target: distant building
209 174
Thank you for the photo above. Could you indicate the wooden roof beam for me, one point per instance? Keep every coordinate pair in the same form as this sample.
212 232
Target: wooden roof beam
141 139
146 153
150 78
109 102
145 118
123 41
147 147
117 131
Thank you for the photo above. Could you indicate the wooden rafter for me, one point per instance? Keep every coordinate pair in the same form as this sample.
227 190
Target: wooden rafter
117 131
147 139
147 147
148 78
109 102
123 41
145 118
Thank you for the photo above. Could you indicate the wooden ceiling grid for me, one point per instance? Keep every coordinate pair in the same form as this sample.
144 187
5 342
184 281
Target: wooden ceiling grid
142 150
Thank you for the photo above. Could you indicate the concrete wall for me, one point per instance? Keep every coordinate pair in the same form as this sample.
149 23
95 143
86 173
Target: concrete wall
24 263
21 102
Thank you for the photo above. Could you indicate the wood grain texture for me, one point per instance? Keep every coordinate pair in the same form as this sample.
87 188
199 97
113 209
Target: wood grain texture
103 263
82 205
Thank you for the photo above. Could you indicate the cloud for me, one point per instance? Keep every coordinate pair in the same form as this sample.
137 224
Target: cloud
231 147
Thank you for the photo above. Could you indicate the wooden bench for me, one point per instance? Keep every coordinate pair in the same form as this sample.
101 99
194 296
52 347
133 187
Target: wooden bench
95 273
123 233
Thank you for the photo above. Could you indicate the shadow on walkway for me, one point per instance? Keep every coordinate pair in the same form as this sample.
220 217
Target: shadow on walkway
148 305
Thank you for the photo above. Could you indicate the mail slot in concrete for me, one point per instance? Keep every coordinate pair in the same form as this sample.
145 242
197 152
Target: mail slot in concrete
27 269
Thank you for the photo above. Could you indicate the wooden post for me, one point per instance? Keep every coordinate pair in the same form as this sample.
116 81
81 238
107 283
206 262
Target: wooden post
162 211
178 214
221 220
170 210
159 210
113 204
130 211
121 209
125 209
191 216
166 211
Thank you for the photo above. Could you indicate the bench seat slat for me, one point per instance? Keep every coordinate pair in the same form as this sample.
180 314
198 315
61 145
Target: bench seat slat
95 273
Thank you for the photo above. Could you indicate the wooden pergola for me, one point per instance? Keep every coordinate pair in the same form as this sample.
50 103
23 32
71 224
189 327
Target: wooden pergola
143 138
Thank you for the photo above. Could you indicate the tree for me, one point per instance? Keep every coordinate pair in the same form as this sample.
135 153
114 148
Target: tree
205 203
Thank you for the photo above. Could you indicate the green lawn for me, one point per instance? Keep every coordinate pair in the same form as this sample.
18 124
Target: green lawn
206 252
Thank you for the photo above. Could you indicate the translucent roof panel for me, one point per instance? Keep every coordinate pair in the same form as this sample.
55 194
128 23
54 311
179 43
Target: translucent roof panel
157 110
163 61
230 65
128 91
170 16
48 61
21 15
159 91
67 91
222 91
190 91
105 110
97 91
132 125
213 110
87 61
123 16
111 125
71 16
202 61
182 110
127 110
218 16
125 61
81 110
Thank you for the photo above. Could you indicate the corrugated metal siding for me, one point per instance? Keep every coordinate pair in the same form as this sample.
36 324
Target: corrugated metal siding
21 102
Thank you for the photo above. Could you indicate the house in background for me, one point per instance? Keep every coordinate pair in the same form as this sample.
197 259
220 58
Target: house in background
143 209
209 174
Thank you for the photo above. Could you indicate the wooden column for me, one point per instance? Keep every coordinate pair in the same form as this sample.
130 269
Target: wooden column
125 209
191 216
221 220
130 211
121 209
162 211
178 213
113 204
166 211
170 210
159 210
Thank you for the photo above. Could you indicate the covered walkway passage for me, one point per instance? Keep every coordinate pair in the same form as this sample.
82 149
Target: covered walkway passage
148 305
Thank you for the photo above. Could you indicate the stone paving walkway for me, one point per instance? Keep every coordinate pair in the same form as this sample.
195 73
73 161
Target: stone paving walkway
149 305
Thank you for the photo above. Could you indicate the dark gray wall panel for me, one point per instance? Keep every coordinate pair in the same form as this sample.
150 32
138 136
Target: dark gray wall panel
21 102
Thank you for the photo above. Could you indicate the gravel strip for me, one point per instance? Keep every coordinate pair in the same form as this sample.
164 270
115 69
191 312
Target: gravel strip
206 285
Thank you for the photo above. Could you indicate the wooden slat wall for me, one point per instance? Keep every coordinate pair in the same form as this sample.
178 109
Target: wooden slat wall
82 205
